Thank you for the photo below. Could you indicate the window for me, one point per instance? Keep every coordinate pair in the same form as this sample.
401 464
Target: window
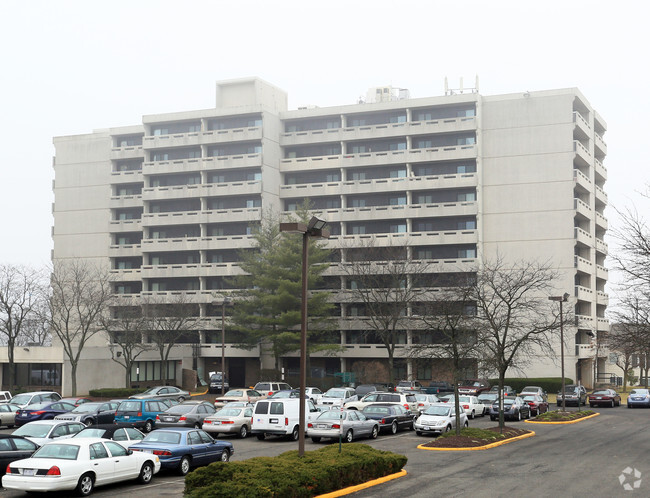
193 438
277 408
467 253
23 444
253 203
398 173
466 196
358 175
357 203
398 201
205 438
116 449
261 407
97 450
120 435
398 228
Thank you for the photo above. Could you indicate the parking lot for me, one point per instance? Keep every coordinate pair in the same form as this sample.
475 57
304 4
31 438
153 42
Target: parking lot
584 459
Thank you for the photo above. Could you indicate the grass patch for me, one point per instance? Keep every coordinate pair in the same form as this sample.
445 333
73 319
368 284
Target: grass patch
487 435
560 416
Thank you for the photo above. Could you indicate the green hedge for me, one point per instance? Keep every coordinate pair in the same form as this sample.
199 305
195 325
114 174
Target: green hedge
114 392
317 472
549 384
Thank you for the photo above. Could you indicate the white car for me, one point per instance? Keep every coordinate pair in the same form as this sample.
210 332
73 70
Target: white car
425 401
438 418
336 397
472 406
44 431
314 394
80 465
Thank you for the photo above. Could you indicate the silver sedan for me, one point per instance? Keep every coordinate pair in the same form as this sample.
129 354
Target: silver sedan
349 424
230 419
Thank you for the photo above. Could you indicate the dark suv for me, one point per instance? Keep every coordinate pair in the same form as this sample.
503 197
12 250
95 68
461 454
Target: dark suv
573 395
216 381
438 387
473 387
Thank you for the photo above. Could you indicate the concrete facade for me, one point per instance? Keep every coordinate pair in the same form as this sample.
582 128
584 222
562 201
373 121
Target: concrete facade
166 204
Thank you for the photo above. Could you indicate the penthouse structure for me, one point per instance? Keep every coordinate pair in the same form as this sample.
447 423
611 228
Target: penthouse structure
166 205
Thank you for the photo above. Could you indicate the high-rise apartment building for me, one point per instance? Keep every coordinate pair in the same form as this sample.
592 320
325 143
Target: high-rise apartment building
167 204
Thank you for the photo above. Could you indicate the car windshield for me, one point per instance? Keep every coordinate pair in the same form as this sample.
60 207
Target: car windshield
234 394
335 393
180 409
404 383
644 392
91 432
601 392
285 394
421 397
163 437
439 411
332 415
59 451
33 430
21 399
86 408
487 396
381 410
129 406
531 397
464 399
228 412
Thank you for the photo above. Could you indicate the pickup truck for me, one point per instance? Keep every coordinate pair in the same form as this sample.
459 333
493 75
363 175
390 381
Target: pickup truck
473 387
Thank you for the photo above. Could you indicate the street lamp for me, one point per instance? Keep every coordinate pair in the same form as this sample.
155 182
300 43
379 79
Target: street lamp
562 299
226 302
315 229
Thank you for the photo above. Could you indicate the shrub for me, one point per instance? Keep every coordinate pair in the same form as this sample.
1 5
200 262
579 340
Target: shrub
317 472
549 384
111 392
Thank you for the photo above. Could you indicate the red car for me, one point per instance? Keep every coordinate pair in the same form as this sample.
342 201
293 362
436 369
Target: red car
605 397
536 403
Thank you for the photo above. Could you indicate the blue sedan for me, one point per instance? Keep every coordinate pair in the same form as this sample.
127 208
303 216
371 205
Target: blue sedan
182 448
638 397
42 411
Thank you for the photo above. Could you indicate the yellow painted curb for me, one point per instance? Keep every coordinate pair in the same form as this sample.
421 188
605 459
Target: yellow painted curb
359 487
200 394
562 423
478 448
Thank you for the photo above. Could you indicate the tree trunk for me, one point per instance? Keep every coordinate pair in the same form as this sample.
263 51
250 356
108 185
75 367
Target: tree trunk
127 377
456 401
11 367
73 374
391 364
502 421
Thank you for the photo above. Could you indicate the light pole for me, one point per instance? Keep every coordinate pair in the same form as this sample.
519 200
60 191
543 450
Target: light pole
224 303
563 299
315 229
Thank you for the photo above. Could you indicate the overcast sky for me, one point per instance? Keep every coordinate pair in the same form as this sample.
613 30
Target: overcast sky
69 67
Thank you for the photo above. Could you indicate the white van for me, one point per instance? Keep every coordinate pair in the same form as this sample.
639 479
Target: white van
280 417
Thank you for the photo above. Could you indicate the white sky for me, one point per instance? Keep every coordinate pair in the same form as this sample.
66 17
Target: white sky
69 67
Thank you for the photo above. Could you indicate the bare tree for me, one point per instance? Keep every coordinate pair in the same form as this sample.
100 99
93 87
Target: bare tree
168 322
449 323
633 255
621 343
124 331
384 282
80 296
21 292
515 320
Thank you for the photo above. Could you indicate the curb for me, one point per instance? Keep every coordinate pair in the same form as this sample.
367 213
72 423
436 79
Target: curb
562 423
200 394
479 448
359 487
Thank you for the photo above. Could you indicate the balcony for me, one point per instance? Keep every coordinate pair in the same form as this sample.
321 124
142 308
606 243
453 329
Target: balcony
583 265
581 125
128 152
234 161
582 209
601 196
581 180
232 215
582 153
600 145
130 275
115 226
202 138
119 177
198 243
188 296
602 298
201 190
582 237
603 325
125 201
602 272
231 350
601 221
584 322
584 351
601 170
192 270
584 294
124 250
601 246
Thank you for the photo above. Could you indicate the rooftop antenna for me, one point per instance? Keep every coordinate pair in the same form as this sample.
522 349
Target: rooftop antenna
461 88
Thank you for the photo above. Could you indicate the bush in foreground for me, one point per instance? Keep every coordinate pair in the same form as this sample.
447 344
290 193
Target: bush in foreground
320 471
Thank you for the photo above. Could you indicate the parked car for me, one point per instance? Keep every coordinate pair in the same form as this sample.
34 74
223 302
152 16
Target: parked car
534 390
126 436
638 397
447 398
8 414
573 395
363 389
32 398
5 396
186 414
43 431
92 413
337 397
472 406
79 465
473 387
349 424
230 420
487 399
216 381
163 392
183 448
281 417
514 408
14 448
536 403
268 388
507 391
408 386
246 395
391 417
438 388
604 397
139 413
439 418
41 411
424 401
76 401
407 400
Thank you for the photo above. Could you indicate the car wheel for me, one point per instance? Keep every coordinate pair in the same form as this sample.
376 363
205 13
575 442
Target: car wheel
349 437
146 473
374 433
315 439
393 427
89 422
181 399
197 425
466 424
243 431
86 484
295 434
225 456
184 466
519 415
613 404
148 427
483 412
261 437
418 433
472 415
448 428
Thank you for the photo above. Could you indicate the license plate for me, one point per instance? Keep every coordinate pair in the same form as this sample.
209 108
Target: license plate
322 426
127 417
29 472
599 397
168 419
273 421
426 427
